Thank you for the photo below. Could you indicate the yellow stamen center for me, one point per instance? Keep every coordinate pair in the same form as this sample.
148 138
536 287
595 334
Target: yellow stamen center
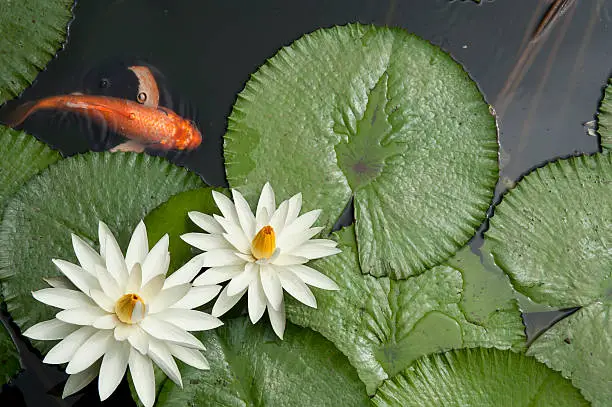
130 308
264 243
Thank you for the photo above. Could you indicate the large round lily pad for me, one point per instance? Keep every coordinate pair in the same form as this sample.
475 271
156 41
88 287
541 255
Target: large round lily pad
384 325
604 118
71 197
552 234
249 366
478 377
379 115
9 357
31 32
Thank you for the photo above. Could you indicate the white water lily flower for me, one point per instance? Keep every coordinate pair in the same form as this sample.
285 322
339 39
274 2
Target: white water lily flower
124 311
261 254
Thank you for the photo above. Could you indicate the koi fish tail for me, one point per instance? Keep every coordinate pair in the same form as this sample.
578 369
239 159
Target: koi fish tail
18 116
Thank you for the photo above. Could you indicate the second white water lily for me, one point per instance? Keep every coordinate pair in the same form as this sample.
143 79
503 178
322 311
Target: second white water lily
125 312
263 254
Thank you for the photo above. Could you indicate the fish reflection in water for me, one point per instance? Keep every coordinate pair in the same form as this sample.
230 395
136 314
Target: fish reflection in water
143 122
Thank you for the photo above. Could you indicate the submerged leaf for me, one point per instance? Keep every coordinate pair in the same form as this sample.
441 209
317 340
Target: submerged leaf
249 366
71 197
379 115
478 377
9 358
31 32
383 325
552 234
604 118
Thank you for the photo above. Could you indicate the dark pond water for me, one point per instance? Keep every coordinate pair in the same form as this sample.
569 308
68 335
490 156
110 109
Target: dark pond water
206 50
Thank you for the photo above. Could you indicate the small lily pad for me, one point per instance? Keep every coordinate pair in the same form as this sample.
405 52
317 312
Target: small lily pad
478 377
378 115
552 235
604 118
31 32
9 357
249 366
384 325
71 197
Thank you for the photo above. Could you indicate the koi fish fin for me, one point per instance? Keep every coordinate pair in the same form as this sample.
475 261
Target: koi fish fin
164 110
128 146
21 113
148 92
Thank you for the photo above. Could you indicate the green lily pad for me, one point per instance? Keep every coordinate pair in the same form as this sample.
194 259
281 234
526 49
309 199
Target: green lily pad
249 366
31 32
9 357
379 115
604 118
552 235
171 218
383 325
478 377
71 197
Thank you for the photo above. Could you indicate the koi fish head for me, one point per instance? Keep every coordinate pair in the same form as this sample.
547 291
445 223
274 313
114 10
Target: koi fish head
188 136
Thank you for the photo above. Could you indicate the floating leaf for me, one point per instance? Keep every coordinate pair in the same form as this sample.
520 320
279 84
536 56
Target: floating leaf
249 366
71 197
31 32
604 118
478 377
383 325
378 114
552 234
171 218
9 358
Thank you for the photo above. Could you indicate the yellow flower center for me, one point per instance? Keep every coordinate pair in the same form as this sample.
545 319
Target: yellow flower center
130 308
264 243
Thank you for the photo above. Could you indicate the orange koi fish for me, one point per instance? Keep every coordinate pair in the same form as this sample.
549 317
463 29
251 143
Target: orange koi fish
145 124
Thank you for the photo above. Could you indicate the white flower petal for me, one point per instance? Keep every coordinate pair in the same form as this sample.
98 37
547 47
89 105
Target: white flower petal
277 319
216 275
271 285
206 222
77 276
141 370
115 262
226 206
242 280
206 241
50 330
103 233
103 300
301 224
224 303
62 298
262 218
139 340
315 250
219 258
190 356
157 261
189 320
295 206
161 356
108 284
114 365
314 278
134 281
165 331
186 273
267 201
245 215
139 246
60 282
289 243
81 316
108 321
123 331
80 380
152 289
297 288
234 234
168 297
65 350
198 296
257 300
285 259
88 257
278 218
90 351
